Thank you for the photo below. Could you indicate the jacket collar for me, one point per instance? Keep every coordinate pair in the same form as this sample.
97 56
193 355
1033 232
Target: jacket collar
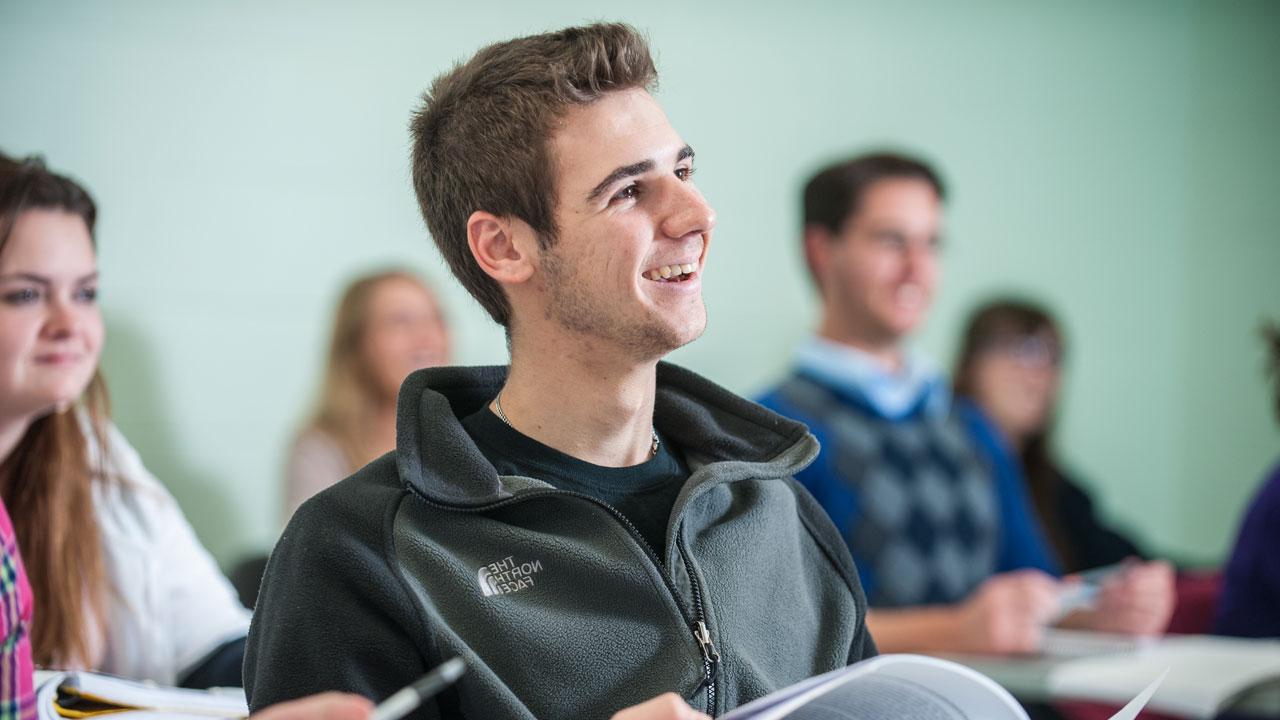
436 457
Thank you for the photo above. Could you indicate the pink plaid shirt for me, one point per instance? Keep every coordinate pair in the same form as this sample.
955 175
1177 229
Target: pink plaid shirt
17 674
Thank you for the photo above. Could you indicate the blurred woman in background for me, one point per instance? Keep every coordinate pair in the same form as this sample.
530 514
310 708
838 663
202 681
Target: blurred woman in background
1250 602
1007 380
1010 367
121 582
387 325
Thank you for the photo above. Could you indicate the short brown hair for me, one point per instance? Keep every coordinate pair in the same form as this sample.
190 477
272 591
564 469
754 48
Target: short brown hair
480 140
835 193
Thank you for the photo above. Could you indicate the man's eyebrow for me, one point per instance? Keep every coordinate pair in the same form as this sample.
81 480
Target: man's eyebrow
625 171
632 170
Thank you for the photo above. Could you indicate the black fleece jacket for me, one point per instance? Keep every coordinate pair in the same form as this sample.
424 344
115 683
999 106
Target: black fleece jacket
557 605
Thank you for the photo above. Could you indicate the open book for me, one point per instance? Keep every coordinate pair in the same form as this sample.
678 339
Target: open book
900 687
1207 675
62 695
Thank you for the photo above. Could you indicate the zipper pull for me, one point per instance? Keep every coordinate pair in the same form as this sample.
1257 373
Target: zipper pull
703 636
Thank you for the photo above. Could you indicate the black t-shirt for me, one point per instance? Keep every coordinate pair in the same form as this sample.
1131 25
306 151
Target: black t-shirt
644 493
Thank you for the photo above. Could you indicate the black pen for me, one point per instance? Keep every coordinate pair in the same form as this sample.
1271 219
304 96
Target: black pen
410 697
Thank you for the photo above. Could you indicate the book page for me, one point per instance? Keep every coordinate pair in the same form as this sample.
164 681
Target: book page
1059 643
880 698
135 698
889 687
47 694
1135 706
1205 673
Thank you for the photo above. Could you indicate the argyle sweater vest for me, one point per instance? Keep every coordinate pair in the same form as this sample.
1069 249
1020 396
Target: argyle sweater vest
912 496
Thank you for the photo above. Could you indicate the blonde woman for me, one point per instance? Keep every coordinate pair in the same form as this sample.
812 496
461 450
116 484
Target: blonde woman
388 324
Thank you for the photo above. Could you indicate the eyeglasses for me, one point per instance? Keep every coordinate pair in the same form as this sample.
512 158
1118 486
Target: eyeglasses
1033 351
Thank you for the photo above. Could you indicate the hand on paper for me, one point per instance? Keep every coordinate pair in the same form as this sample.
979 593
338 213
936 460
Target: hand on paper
325 706
664 707
1007 614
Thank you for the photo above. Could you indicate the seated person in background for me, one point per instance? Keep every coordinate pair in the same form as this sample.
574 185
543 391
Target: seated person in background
387 325
1008 376
950 554
1009 372
591 527
122 584
1250 602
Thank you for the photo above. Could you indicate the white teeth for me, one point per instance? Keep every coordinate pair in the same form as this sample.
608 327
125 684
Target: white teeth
666 272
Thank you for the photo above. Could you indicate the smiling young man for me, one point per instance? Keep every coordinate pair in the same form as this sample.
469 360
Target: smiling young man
590 528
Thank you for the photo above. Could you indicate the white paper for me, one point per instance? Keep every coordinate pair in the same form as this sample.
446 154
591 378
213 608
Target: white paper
1204 673
1130 711
897 687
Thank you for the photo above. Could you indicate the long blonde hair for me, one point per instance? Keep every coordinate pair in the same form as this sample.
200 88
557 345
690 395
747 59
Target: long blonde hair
350 395
47 480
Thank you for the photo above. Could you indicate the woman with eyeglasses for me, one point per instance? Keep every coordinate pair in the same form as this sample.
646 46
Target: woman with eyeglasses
1009 372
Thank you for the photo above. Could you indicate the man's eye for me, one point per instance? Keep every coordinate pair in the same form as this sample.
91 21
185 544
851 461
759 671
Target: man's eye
684 173
627 193
87 295
21 296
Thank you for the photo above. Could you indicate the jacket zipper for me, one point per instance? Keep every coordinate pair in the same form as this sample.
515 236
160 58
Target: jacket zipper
697 623
710 656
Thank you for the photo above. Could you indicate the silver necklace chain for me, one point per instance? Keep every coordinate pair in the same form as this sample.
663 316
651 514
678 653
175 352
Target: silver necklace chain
497 405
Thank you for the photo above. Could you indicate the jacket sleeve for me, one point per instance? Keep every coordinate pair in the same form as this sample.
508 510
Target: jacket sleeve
828 539
333 613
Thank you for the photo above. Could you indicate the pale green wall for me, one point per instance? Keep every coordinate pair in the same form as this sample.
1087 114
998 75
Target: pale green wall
1117 160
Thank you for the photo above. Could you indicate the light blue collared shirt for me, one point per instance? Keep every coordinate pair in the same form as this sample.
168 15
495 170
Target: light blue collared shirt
892 395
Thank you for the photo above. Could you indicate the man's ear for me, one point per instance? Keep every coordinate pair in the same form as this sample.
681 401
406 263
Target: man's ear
817 249
503 247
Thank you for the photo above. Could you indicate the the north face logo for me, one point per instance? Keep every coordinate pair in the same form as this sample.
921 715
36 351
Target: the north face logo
507 576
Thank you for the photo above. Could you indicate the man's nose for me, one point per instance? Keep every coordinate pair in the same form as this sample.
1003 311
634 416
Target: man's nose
919 256
688 213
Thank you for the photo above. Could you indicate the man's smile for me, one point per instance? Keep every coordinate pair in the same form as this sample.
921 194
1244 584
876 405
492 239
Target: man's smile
675 272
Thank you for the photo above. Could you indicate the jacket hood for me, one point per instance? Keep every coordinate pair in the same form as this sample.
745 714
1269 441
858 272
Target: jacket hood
438 459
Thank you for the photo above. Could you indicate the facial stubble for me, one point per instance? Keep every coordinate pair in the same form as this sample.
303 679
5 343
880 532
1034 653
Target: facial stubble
573 308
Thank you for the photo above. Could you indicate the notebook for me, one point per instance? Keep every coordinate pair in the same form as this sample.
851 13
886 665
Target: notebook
75 695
